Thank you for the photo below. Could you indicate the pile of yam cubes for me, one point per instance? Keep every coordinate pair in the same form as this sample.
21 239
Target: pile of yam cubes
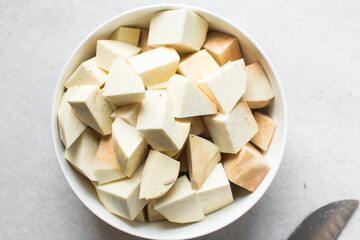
161 120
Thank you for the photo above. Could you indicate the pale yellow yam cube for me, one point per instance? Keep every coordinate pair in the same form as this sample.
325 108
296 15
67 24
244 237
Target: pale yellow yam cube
92 108
143 41
140 217
202 157
231 132
258 93
181 29
266 131
158 86
156 121
187 99
155 66
223 47
70 126
181 204
126 34
159 175
88 73
225 86
153 215
107 168
82 153
183 161
197 126
123 86
129 146
183 129
206 133
215 193
121 197
128 113
247 168
197 65
109 50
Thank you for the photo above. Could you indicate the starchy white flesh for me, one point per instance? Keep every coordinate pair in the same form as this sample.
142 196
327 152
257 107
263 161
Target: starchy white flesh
258 89
197 65
140 217
247 168
223 47
82 153
266 131
153 215
128 113
70 126
159 175
155 66
231 132
88 73
92 108
225 86
215 193
181 204
109 50
123 86
107 168
144 40
181 29
158 86
129 146
187 99
156 122
202 157
182 129
121 197
126 34
197 127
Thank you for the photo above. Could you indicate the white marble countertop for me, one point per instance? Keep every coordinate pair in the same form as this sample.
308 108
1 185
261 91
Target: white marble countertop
315 47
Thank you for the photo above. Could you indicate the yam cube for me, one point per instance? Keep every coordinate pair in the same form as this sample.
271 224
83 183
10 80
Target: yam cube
182 129
206 133
92 108
181 204
258 89
187 99
123 86
153 215
231 132
225 86
126 34
158 86
223 47
88 73
266 131
181 29
183 162
143 41
155 66
140 217
109 50
197 126
215 193
202 157
128 113
247 168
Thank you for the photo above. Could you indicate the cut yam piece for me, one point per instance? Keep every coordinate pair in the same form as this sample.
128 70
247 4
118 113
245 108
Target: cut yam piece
126 34
197 126
153 215
181 204
128 113
158 86
183 129
266 131
141 216
202 157
159 175
206 133
246 168
144 40
183 162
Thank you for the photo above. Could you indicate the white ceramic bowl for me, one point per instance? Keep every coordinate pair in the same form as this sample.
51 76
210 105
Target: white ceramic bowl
140 17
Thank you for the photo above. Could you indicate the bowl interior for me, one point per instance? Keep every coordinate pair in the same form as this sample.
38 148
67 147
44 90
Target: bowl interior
243 200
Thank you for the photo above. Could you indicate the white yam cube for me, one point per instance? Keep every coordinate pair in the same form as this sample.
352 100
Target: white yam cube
181 204
143 41
82 153
266 131
129 146
197 126
187 99
225 86
181 29
88 73
107 168
215 193
92 108
128 113
155 66
126 34
122 197
109 50
70 126
159 175
231 132
123 86
183 129
153 215
202 157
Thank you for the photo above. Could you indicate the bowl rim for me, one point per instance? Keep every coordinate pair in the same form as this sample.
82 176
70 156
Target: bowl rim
54 108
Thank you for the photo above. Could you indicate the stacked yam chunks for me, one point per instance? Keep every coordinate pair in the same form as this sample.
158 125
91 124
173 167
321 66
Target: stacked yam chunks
162 134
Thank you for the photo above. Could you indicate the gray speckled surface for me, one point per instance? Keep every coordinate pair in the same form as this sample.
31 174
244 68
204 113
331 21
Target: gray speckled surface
314 47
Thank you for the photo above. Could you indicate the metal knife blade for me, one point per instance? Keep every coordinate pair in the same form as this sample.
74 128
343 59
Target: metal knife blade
326 223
